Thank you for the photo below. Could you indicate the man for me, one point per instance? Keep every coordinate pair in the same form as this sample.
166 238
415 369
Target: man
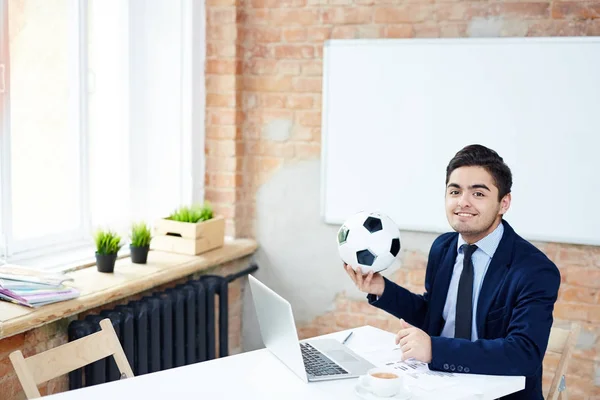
489 294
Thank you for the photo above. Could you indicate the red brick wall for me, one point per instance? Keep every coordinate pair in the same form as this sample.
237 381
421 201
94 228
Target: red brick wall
55 334
264 64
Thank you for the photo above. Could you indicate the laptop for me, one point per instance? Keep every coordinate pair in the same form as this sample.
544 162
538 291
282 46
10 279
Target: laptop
312 359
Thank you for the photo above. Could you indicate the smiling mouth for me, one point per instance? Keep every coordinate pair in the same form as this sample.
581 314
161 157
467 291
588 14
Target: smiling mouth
464 214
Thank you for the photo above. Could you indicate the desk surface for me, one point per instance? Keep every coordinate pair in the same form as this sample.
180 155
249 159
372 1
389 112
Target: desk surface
260 375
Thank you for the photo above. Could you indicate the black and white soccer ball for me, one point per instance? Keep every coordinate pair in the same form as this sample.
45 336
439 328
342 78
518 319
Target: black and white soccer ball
369 240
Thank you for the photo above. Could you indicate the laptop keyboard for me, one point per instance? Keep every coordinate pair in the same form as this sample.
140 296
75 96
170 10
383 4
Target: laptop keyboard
317 363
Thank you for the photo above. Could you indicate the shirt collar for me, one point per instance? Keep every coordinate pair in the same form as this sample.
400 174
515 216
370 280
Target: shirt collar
488 244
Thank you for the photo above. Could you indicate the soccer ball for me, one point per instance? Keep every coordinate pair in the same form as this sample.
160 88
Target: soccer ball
369 240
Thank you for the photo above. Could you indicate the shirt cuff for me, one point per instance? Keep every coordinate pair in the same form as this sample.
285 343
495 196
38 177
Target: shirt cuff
371 298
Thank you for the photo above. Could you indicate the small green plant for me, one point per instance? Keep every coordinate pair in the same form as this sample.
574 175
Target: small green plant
107 242
192 214
140 235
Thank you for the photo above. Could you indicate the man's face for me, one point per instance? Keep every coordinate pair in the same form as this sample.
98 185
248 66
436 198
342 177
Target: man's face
472 205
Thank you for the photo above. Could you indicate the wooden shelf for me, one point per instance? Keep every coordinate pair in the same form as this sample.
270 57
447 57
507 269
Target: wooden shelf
128 279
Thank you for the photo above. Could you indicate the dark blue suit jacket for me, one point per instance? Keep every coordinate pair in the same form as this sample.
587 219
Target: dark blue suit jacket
514 311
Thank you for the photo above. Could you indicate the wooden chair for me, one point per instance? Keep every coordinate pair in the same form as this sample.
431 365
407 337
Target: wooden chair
562 341
60 360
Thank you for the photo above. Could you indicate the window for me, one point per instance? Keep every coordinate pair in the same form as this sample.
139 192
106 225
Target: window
95 120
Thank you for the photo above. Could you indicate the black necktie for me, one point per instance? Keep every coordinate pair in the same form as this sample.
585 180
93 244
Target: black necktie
464 298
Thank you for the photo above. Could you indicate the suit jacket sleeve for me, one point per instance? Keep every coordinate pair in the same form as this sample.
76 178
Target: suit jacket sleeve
404 304
522 350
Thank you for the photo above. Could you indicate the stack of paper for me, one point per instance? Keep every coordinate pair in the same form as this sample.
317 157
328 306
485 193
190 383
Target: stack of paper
33 288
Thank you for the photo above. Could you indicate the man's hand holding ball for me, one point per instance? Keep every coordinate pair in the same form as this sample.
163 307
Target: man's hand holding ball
371 283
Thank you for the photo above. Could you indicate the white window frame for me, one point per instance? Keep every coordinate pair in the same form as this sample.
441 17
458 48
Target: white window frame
194 99
4 112
36 251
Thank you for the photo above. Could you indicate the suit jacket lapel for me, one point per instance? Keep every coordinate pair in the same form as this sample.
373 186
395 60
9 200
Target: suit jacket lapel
440 287
495 275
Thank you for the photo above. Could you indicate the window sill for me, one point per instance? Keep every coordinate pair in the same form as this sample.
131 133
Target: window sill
65 260
128 279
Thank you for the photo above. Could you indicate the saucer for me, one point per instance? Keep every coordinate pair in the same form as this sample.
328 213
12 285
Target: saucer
364 393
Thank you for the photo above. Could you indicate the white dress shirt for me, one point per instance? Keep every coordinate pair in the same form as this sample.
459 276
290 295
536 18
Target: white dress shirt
481 258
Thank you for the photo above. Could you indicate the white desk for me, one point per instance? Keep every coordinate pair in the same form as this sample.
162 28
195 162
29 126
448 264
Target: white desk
260 375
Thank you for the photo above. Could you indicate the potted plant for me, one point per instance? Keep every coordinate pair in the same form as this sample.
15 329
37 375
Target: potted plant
190 230
108 244
140 242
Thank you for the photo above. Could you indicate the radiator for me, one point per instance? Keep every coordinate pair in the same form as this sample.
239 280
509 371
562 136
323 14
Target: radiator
167 329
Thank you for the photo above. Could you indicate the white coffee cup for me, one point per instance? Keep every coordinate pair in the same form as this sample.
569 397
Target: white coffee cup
383 382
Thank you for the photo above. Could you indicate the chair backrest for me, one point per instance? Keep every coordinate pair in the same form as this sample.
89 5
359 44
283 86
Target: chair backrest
63 359
562 341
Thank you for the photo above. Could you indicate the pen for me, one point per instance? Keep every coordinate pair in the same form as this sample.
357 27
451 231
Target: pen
347 337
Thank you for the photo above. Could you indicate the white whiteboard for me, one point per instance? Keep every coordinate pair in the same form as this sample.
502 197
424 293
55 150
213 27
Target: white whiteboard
395 111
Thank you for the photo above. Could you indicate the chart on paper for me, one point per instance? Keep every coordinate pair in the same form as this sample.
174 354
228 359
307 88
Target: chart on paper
422 376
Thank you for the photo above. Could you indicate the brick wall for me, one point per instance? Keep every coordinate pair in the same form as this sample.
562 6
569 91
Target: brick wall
264 67
54 334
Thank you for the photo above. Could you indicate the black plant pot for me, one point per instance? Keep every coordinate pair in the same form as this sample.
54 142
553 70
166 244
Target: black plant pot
106 262
139 255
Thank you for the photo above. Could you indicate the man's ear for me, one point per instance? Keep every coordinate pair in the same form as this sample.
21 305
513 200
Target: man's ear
505 203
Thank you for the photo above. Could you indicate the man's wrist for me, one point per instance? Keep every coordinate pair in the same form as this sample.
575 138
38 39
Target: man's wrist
376 295
380 293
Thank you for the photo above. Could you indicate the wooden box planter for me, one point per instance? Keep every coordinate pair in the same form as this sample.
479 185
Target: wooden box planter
188 238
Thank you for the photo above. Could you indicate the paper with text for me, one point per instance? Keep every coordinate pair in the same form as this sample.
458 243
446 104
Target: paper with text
417 373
